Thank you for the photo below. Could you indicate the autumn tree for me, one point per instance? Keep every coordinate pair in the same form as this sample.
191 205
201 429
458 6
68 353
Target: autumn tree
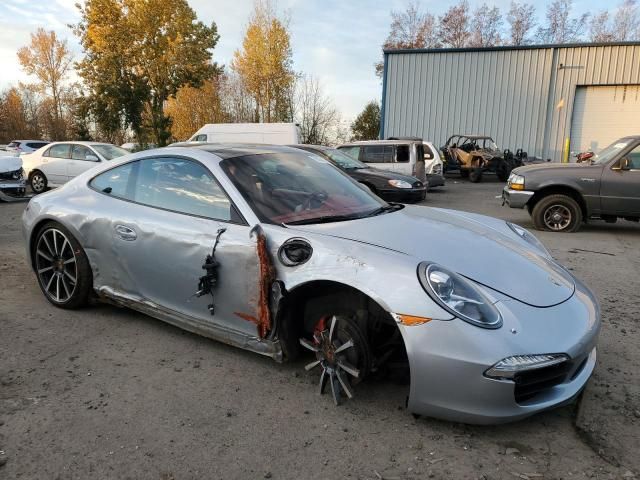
626 22
453 26
521 20
599 28
193 107
264 63
13 119
410 28
486 25
49 60
560 26
139 53
315 113
366 126
237 103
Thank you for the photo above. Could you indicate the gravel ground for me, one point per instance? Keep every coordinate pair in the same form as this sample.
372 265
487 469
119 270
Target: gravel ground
109 393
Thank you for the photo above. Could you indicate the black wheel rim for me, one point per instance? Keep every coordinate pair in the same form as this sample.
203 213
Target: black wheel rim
56 265
37 182
557 217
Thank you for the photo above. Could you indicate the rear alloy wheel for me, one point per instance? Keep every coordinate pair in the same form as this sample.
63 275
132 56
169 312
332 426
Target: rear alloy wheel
475 175
342 352
62 268
38 182
557 213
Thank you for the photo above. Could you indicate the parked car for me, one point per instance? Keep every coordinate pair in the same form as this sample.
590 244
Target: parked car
559 196
19 147
271 133
61 161
390 186
11 177
473 155
401 156
276 251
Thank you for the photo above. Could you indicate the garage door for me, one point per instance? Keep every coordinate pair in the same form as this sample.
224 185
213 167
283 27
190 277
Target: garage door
601 115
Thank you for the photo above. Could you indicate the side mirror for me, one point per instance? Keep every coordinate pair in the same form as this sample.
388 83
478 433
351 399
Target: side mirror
622 164
91 158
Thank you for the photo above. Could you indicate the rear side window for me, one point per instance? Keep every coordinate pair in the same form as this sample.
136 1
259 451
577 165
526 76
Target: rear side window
117 182
201 138
182 186
353 152
59 151
14 144
402 153
36 145
377 154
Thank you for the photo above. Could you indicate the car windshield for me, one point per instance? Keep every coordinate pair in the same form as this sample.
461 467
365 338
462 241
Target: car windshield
298 188
343 160
611 151
110 152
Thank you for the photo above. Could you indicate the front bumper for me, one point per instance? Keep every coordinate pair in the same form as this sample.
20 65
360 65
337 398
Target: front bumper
435 180
448 360
407 195
13 188
515 198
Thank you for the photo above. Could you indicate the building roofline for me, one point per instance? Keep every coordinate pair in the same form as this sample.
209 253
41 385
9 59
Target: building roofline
510 47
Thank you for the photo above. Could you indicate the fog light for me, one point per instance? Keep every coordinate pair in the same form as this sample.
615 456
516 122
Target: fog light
508 367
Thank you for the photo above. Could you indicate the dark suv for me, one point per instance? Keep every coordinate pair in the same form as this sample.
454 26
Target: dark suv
560 196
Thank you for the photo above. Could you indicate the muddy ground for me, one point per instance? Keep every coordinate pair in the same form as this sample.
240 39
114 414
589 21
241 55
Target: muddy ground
109 393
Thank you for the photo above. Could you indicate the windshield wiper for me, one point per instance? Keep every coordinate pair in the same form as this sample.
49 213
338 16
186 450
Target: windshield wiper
392 207
325 219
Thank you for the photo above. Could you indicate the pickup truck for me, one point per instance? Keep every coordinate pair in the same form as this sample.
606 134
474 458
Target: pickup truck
560 196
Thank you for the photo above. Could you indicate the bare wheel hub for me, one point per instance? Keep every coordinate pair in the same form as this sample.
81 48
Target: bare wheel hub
331 350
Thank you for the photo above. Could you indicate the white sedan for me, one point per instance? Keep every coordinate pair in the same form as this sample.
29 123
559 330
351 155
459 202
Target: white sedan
59 162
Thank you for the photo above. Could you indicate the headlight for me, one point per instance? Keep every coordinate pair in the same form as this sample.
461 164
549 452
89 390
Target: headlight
399 184
530 238
507 368
515 182
458 296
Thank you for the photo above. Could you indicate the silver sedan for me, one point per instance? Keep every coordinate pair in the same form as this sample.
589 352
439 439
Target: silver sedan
274 250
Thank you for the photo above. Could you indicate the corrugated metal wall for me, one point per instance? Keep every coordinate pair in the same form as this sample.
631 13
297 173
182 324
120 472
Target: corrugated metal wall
523 98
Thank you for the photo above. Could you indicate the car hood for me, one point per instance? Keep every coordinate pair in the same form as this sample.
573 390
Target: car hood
466 243
383 174
548 166
10 164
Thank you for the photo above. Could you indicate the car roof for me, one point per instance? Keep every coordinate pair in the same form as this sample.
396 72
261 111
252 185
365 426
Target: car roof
39 141
231 150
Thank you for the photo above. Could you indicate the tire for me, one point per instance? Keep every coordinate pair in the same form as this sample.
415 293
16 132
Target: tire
464 173
61 267
475 175
38 182
557 213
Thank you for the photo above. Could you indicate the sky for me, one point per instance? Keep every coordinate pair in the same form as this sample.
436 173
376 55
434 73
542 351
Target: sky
337 41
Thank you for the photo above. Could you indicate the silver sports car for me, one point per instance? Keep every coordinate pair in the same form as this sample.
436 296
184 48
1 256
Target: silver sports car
276 251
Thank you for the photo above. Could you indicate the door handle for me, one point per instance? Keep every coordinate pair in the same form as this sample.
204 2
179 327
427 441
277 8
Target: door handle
125 233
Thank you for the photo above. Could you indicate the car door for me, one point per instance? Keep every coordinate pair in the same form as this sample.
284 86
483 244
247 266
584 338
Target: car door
620 185
402 157
161 217
82 159
54 163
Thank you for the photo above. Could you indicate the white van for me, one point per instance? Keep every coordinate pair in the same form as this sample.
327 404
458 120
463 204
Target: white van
271 133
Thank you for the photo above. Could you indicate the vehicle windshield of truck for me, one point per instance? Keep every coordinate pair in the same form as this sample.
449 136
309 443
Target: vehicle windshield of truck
610 152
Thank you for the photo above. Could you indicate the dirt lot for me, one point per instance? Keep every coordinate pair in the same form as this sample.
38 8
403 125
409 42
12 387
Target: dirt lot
110 393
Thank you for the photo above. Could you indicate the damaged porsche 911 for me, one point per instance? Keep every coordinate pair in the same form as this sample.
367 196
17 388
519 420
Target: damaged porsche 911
276 251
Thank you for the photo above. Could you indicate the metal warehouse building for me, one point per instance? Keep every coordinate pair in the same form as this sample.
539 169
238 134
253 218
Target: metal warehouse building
548 100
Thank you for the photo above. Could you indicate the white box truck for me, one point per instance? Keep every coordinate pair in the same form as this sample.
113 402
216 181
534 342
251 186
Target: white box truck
270 133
